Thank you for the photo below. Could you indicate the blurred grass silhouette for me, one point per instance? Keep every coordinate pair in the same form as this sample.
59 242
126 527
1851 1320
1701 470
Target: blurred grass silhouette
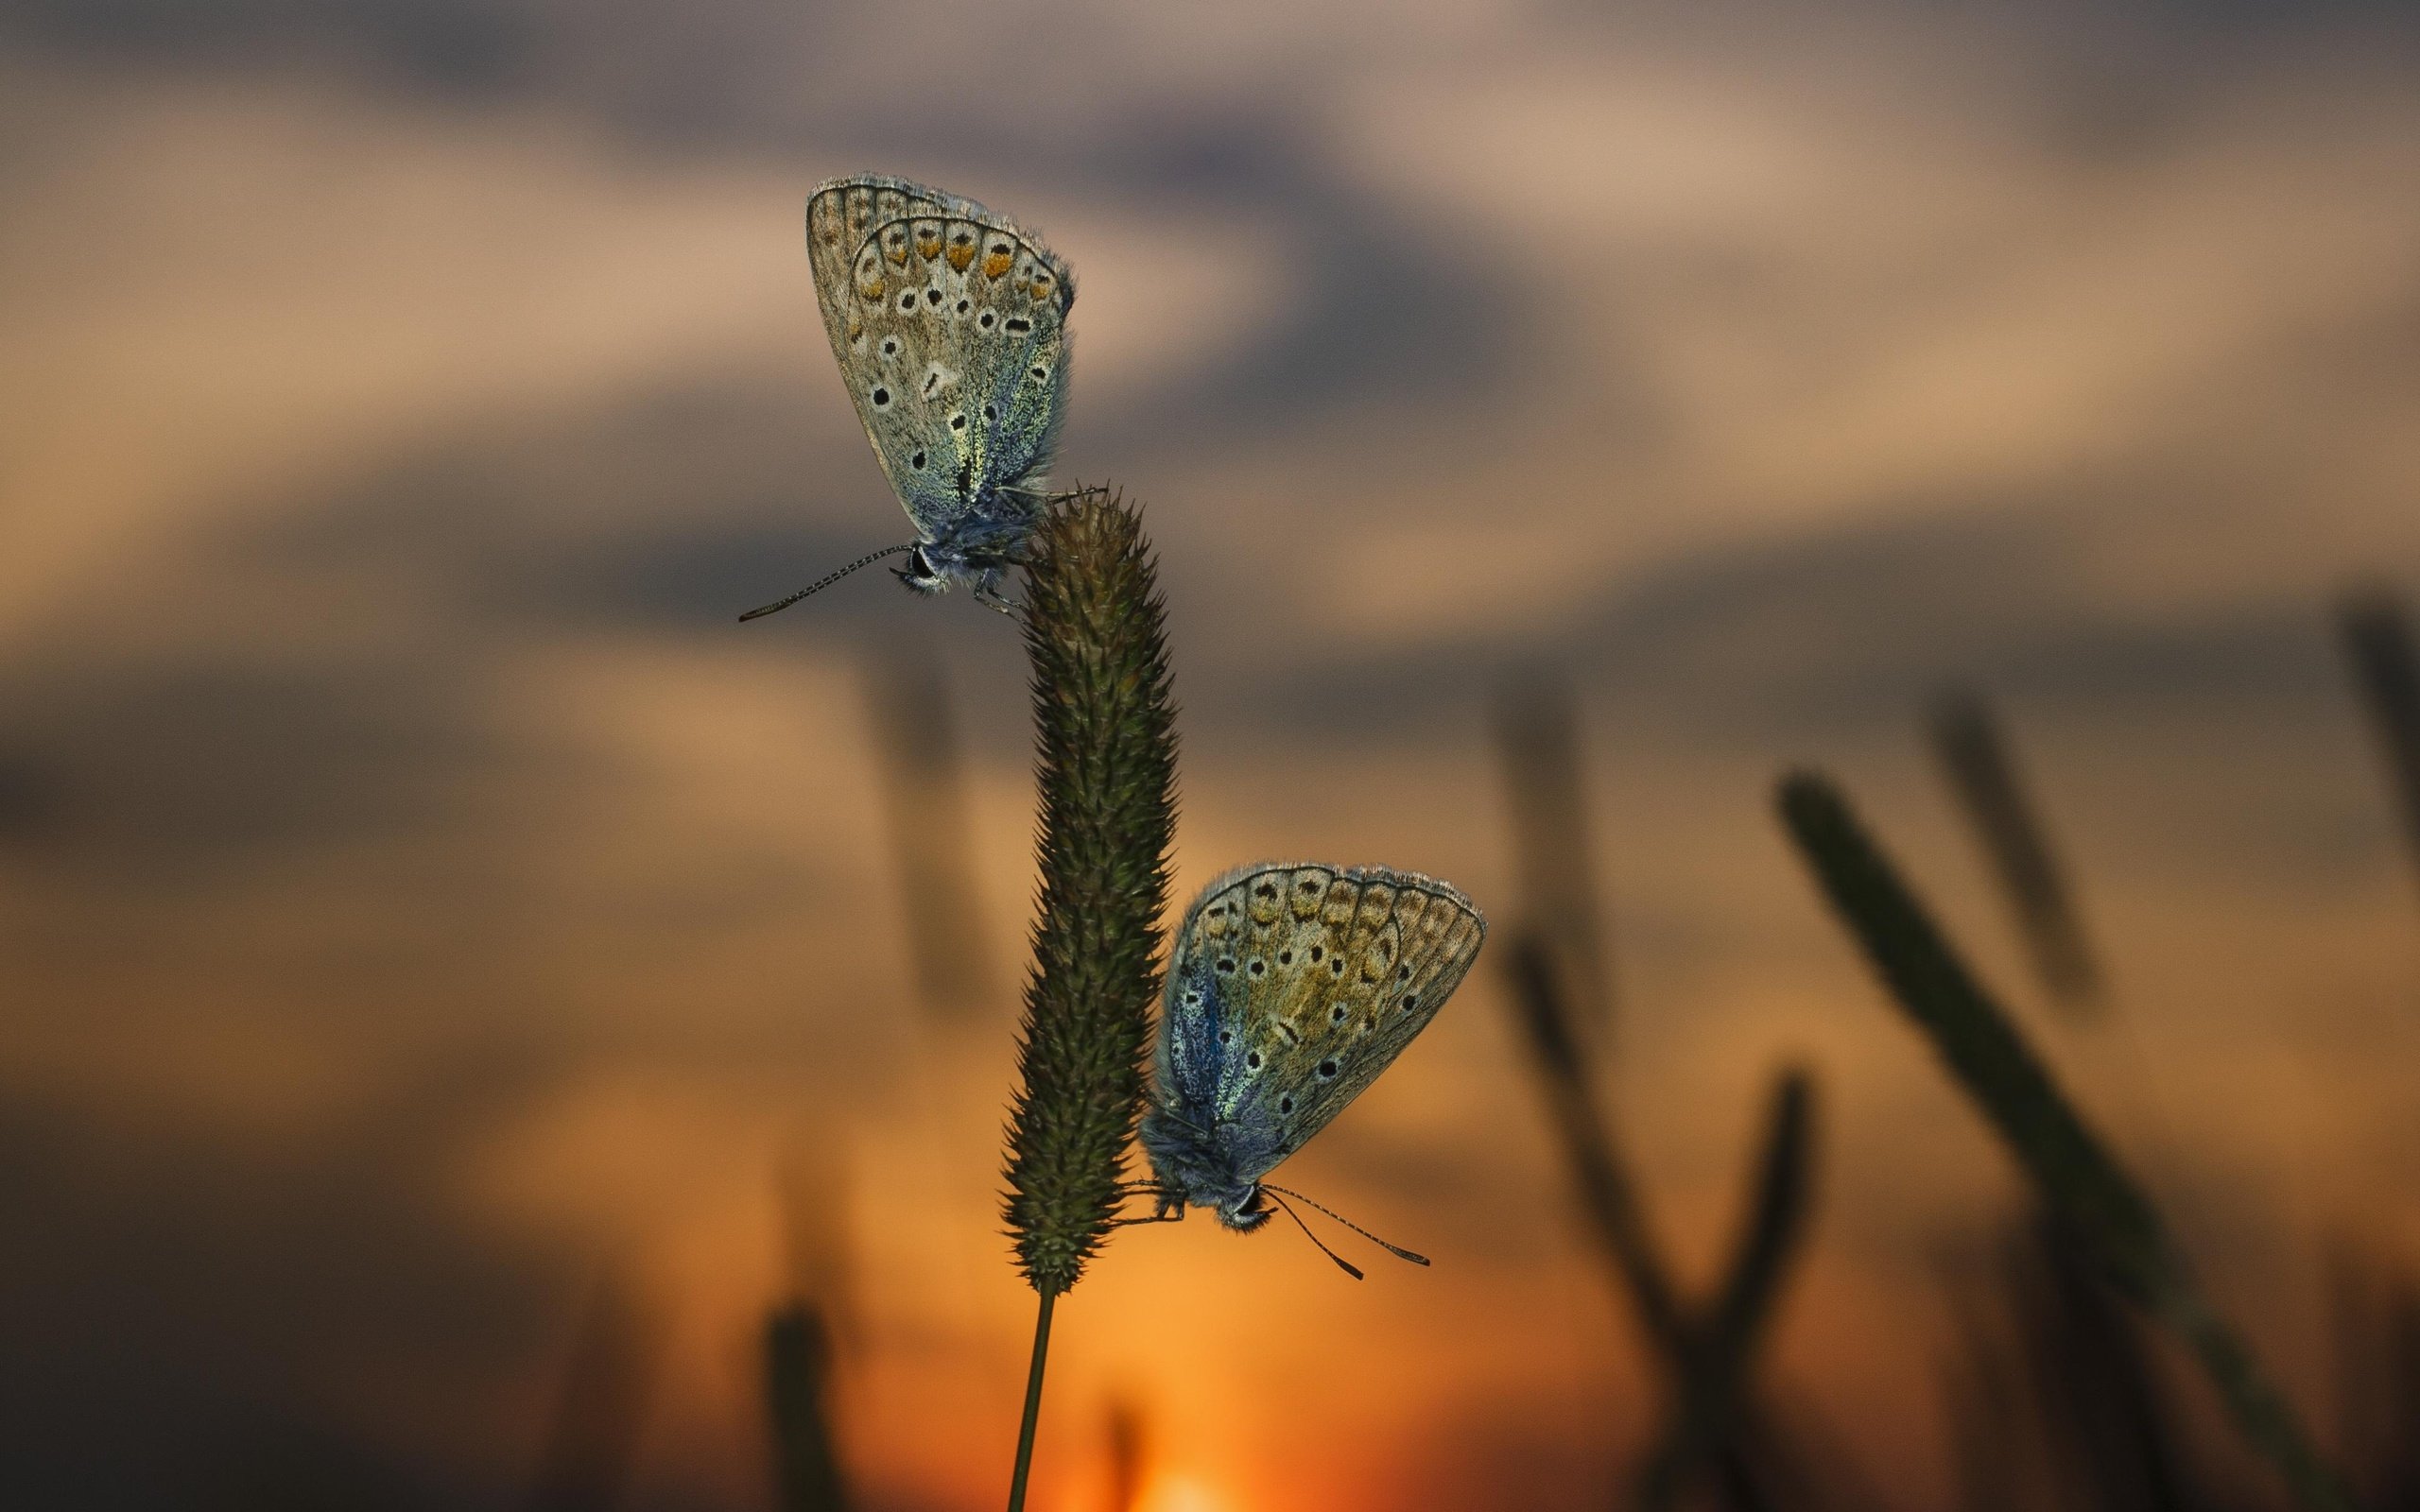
798 1379
1705 1355
924 782
805 1336
1129 1445
2377 641
1557 898
591 1441
2087 1191
1975 757
2377 1326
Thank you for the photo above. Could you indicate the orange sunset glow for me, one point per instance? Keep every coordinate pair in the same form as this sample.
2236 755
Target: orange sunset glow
462 989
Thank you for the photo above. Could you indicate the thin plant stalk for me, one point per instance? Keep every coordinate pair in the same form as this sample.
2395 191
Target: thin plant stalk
2081 1182
1033 1416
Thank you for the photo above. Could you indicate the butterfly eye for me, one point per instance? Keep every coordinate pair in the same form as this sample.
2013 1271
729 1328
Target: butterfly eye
1328 1068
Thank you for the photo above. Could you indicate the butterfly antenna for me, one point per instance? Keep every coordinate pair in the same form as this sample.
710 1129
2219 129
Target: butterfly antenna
823 583
1350 1269
1396 1250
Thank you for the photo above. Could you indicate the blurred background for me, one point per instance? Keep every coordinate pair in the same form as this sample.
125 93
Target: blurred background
481 1029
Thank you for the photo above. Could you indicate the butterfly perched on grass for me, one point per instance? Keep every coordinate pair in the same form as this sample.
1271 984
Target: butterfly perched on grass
950 325
1289 989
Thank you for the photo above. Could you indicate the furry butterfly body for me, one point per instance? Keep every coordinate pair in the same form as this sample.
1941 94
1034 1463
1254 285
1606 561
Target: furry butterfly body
949 324
1289 989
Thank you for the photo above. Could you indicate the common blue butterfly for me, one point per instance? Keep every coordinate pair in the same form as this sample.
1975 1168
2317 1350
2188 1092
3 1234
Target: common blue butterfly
950 326
1289 989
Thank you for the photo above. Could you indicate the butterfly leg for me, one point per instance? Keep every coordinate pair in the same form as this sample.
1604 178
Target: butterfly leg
987 591
1161 1217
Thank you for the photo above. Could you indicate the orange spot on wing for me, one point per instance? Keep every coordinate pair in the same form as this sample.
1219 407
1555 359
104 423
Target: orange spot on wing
997 264
960 256
928 244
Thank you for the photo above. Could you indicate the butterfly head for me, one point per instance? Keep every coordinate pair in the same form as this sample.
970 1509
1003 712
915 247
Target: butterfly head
976 551
1245 1211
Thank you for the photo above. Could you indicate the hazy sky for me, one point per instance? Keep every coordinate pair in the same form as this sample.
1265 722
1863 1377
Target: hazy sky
427 912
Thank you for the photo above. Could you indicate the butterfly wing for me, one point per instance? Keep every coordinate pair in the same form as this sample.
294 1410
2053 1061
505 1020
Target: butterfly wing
949 324
839 215
1292 987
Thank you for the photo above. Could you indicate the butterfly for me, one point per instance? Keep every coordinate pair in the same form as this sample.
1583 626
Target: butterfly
1290 988
950 324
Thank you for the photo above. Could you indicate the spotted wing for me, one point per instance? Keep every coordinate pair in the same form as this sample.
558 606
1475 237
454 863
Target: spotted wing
1292 987
842 212
950 328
